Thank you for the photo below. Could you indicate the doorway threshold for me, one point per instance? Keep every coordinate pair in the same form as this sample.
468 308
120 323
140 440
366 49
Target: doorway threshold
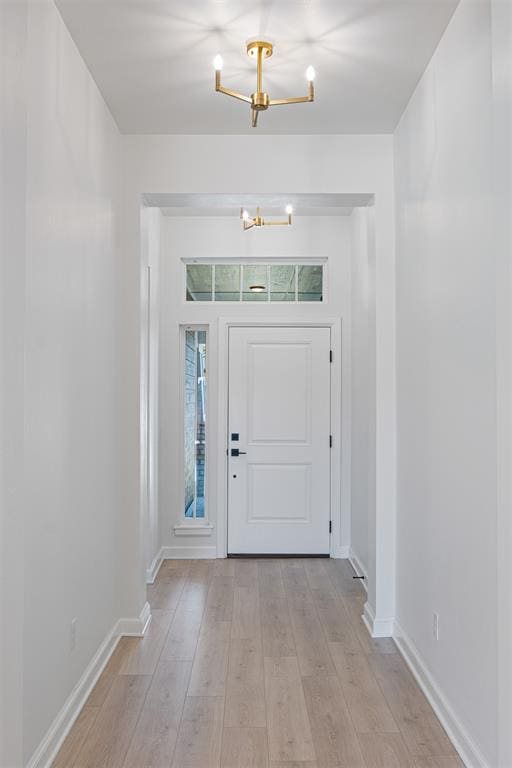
252 555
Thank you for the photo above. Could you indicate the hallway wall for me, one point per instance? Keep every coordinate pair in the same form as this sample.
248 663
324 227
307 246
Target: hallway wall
446 381
150 345
13 126
63 283
501 17
362 445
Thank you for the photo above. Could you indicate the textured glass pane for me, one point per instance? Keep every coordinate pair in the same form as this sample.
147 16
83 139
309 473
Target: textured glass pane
282 282
227 282
310 283
255 276
199 282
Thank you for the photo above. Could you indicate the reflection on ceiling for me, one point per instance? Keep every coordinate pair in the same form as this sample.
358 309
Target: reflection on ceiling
152 60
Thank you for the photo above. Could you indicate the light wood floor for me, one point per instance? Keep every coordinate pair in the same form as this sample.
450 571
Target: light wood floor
260 663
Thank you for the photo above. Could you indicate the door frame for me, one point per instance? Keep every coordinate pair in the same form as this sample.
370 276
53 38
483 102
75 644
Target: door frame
224 324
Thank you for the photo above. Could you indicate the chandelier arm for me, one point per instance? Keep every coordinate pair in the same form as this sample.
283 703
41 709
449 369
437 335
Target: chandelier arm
234 94
254 116
276 223
248 225
295 100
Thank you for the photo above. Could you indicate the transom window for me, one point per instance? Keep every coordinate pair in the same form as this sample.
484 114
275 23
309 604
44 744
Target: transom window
255 282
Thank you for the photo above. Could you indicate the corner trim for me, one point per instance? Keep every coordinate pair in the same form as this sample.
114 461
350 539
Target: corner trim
152 571
377 627
359 568
469 752
340 552
189 552
134 627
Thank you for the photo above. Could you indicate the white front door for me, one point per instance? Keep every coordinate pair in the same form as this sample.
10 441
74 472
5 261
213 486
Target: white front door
279 421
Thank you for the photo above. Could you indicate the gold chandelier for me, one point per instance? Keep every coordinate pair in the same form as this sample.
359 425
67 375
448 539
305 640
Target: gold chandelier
259 221
260 101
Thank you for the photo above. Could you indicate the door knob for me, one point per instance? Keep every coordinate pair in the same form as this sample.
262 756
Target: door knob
236 452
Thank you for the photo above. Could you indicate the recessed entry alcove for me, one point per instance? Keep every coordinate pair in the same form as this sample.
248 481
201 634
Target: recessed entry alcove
278 298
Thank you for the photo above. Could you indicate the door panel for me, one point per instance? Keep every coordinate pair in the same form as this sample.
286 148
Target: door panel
278 492
279 413
279 405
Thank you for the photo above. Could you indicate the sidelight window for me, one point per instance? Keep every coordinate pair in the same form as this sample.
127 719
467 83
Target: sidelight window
195 423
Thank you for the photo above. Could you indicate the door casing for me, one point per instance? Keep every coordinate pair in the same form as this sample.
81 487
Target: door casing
335 455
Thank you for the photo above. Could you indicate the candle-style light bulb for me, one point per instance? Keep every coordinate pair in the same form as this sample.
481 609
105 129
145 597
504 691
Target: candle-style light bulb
310 74
289 209
217 62
245 215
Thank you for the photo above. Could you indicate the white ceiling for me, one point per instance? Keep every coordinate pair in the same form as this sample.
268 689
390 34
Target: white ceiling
152 60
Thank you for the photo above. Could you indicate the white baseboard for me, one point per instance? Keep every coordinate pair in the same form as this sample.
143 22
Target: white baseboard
377 627
45 754
368 617
457 733
359 568
52 742
189 553
340 552
152 571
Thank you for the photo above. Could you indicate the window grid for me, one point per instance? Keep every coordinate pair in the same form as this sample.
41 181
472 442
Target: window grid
242 266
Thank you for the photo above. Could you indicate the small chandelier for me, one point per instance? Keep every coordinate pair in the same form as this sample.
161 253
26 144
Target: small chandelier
260 100
259 221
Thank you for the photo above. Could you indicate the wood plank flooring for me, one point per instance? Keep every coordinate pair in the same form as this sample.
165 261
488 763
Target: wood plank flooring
256 664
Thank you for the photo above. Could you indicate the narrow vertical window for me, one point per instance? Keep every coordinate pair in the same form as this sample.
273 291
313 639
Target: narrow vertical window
195 424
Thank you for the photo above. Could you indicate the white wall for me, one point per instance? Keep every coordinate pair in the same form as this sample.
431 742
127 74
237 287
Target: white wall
362 390
13 119
223 237
150 344
501 17
446 379
63 297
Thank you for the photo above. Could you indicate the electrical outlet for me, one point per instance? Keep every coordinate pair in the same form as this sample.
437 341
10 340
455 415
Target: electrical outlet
72 635
435 626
